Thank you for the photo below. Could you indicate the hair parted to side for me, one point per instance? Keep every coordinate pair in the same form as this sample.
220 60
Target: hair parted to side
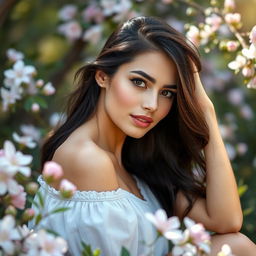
166 156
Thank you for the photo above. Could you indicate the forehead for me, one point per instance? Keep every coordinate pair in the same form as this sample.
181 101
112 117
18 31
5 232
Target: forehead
156 64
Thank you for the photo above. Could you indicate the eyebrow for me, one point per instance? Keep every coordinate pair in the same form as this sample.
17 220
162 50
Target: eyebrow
152 79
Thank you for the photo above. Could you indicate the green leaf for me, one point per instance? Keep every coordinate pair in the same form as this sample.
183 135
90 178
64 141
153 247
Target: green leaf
63 209
41 200
247 211
38 218
87 251
242 189
124 252
33 202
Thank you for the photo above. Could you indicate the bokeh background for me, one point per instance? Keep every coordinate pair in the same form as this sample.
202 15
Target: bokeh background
36 28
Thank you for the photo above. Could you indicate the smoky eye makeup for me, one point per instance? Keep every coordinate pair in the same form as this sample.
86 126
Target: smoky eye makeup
139 82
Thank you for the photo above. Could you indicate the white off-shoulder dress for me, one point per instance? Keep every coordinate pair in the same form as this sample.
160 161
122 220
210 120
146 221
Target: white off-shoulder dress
105 220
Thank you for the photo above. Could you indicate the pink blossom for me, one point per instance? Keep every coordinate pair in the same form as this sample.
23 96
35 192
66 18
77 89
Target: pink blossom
35 107
48 89
248 71
39 83
14 55
214 21
93 34
252 83
200 237
28 214
72 30
18 200
193 35
233 18
252 36
167 227
67 12
229 5
93 13
52 171
67 189
232 46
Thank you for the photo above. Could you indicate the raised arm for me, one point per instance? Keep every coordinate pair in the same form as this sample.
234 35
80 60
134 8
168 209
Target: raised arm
221 210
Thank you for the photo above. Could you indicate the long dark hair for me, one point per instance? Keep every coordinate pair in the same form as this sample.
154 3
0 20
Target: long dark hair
166 157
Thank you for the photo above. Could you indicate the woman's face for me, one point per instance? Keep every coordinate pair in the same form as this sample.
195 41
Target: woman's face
141 93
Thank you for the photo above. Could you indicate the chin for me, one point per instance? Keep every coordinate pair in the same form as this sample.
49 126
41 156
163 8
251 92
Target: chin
137 134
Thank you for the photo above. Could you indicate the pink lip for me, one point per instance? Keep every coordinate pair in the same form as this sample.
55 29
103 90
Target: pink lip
146 118
142 121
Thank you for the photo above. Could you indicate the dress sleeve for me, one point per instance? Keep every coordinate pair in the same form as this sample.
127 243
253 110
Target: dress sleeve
104 220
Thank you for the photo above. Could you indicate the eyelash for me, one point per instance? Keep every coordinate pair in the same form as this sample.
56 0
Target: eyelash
134 80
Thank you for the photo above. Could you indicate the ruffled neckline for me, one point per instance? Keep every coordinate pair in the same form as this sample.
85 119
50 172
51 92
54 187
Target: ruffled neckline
92 195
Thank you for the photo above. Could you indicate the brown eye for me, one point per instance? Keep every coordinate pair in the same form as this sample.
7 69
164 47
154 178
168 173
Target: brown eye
138 82
167 93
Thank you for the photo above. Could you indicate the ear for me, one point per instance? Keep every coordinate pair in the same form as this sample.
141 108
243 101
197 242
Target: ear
101 78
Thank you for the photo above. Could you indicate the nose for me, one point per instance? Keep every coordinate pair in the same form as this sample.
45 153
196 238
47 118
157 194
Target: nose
150 101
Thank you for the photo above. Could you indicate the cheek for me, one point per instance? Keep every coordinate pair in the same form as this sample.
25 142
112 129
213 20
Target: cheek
165 109
123 94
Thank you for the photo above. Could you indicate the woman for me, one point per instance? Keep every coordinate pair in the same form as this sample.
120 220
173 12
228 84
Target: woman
142 134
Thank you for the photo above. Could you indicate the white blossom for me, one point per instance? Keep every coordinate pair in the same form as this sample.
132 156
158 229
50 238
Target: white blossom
14 161
72 30
14 55
30 130
8 233
45 244
93 34
68 12
7 183
24 140
20 73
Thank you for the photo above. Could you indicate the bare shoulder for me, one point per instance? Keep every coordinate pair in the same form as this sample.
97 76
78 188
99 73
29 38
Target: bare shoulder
87 165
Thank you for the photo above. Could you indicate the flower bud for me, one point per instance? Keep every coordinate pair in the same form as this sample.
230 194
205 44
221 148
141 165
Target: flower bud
248 71
229 5
11 210
232 46
52 172
32 188
67 189
233 18
35 107
48 89
191 11
39 83
28 214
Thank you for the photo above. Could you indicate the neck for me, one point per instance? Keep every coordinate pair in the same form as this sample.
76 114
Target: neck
109 136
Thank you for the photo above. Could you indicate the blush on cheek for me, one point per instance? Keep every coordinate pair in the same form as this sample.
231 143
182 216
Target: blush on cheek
124 94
